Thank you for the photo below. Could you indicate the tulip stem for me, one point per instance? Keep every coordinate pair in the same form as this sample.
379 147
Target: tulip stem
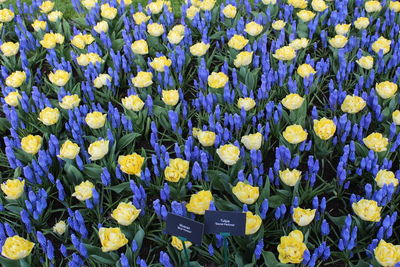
225 244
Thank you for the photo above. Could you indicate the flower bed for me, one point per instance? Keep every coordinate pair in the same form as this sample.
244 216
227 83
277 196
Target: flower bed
285 110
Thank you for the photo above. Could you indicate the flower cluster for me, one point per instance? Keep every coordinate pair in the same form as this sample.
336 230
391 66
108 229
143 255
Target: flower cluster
285 110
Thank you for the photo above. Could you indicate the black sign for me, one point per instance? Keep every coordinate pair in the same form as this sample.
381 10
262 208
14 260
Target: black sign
230 222
184 227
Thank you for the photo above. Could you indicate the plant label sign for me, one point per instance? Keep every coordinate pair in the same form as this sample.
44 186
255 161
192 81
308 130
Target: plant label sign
230 222
184 227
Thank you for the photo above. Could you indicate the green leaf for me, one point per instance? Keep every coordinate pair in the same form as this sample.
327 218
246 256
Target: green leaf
14 209
100 259
270 260
139 236
93 170
4 125
217 35
126 140
361 149
239 260
120 187
8 263
222 204
277 200
362 263
117 44
73 173
99 256
339 221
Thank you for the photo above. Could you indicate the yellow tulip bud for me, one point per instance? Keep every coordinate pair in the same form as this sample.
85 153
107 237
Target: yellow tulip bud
253 223
177 243
46 6
298 3
9 49
252 141
295 134
59 77
39 25
353 104
291 248
238 42
361 23
31 144
199 202
13 98
102 80
381 44
16 79
306 15
292 101
69 150
6 15
155 29
16 248
366 62
159 63
142 79
108 12
206 138
13 188
339 41
101 26
55 16
49 116
303 217
285 53
376 142
299 43
373 6
98 149
111 239
386 89
229 11
253 28
385 177
140 47
199 49
243 59
70 101
140 17
396 117
367 210
133 102
229 154
247 103
324 128
278 25
342 29
170 97
125 213
387 254
83 191
95 120
305 70
246 193
131 164
217 80
60 227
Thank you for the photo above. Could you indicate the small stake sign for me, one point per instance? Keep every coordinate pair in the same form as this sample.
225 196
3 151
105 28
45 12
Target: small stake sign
184 227
217 222
225 223
186 230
